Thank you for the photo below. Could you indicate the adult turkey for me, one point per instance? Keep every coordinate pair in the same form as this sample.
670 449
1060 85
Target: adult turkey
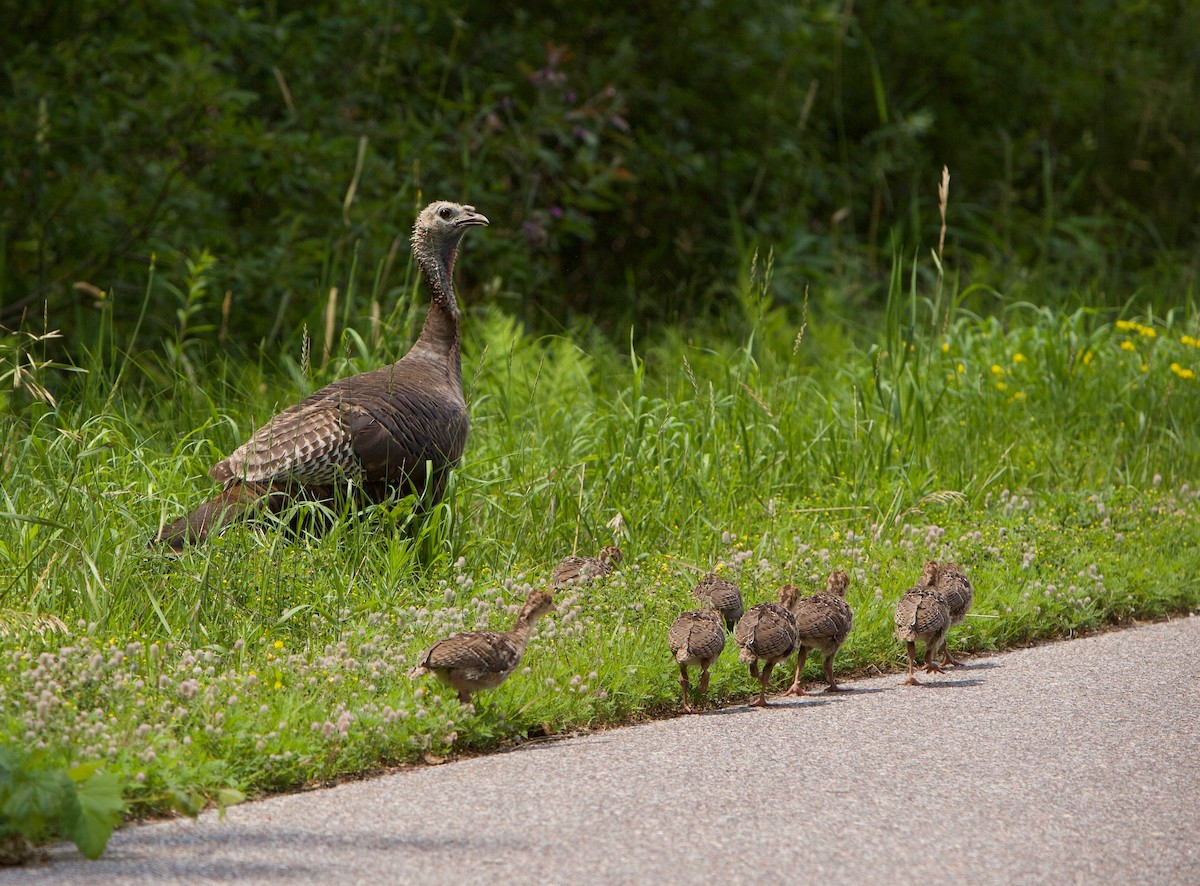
400 428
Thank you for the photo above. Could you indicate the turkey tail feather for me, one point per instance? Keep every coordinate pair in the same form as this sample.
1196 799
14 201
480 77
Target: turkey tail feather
239 501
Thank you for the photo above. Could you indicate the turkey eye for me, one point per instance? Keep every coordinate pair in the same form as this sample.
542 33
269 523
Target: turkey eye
446 212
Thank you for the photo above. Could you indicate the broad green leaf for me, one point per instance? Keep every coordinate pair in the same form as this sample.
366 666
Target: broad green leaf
84 771
100 809
33 798
184 802
228 797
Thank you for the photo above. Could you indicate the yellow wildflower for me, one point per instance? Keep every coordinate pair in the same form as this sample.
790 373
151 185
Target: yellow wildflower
1182 371
960 369
1188 340
1145 367
997 369
1018 396
1147 331
945 347
1087 358
1001 386
278 644
1126 325
1127 345
1018 357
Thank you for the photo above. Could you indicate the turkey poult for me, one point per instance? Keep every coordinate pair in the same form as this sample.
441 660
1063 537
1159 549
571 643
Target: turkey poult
956 592
696 638
767 632
581 570
823 621
400 428
922 617
475 660
724 596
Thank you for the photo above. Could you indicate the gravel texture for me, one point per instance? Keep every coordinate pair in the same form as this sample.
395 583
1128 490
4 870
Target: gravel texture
1073 762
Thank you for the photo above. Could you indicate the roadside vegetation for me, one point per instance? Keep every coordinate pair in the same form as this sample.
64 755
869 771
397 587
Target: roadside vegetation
1049 450
723 317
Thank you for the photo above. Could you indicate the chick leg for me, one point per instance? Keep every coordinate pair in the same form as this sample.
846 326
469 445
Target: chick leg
931 666
704 665
912 678
763 679
683 684
797 687
947 658
833 686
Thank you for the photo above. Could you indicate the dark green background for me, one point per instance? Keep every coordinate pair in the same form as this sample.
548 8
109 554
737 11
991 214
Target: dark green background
628 154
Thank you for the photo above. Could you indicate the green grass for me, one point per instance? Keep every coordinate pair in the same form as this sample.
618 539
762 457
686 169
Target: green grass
1047 451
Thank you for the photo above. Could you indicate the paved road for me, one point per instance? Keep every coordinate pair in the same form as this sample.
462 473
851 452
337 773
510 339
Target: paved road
1073 762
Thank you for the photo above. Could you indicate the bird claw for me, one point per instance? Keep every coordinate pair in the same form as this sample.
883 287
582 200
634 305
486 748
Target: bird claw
833 687
796 689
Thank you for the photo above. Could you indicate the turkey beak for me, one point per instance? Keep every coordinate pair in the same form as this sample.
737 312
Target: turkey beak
471 218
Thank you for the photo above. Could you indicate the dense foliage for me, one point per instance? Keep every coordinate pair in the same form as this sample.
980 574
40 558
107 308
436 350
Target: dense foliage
1021 401
1053 453
620 149
38 801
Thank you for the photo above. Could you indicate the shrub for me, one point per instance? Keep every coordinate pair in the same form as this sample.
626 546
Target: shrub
39 801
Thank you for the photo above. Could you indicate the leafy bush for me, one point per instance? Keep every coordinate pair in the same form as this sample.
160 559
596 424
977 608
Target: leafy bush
619 150
39 801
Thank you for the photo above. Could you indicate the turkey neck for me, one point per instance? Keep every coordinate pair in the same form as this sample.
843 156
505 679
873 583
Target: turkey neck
521 631
439 338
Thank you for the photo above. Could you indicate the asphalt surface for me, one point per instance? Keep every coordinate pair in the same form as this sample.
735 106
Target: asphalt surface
1073 762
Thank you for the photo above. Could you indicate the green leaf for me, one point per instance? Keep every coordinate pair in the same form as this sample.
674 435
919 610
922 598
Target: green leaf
33 799
10 759
84 771
100 809
183 802
227 797
29 518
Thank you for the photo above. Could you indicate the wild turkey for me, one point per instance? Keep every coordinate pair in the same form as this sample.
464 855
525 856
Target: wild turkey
955 590
400 428
724 595
823 622
922 617
476 660
767 632
696 638
581 570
